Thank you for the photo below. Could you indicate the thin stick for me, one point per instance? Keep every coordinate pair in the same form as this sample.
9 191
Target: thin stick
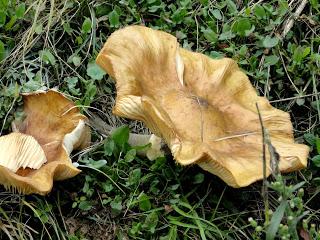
285 68
294 98
5 118
289 23
264 159
234 136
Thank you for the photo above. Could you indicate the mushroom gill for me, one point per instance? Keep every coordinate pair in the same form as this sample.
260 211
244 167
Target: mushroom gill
56 126
20 151
205 109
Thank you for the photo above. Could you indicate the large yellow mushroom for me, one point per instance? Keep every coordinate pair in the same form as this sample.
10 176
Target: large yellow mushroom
205 109
38 153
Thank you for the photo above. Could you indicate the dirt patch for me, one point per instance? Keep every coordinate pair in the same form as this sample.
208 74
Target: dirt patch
88 229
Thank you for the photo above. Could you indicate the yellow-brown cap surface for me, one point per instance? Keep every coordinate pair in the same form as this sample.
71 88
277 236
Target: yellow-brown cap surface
205 109
58 127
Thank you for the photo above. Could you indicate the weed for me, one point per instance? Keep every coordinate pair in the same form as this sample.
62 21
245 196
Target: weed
120 195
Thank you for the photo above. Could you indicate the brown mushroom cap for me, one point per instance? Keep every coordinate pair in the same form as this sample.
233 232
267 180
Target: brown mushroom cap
205 109
59 127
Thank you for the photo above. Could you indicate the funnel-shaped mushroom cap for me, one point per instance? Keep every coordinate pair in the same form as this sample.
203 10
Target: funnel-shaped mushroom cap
56 124
205 109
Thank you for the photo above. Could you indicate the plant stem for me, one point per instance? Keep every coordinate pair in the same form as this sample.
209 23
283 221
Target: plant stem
264 159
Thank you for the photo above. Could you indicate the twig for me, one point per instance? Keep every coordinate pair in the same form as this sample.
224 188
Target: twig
289 23
5 118
264 160
293 98
234 136
285 68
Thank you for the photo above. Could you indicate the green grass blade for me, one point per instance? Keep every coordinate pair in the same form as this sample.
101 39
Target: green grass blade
275 221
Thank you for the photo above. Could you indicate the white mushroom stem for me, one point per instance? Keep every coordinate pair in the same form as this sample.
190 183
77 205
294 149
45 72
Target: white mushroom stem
19 150
71 139
158 147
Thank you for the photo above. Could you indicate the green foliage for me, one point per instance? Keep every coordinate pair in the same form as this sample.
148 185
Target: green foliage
126 183
114 19
270 42
44 46
94 71
288 216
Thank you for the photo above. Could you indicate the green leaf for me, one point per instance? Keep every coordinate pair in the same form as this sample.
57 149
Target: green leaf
271 60
300 101
210 35
179 15
314 4
10 24
67 28
76 60
109 147
300 53
3 17
296 187
316 181
97 164
4 4
158 164
20 10
72 82
269 42
283 8
259 12
172 234
113 18
316 160
107 187
31 85
232 7
134 177
86 187
144 202
204 2
38 28
310 138
216 55
2 51
275 221
116 205
94 71
106 201
120 136
47 57
318 145
85 205
91 91
241 27
135 229
226 35
151 222
198 178
217 14
130 155
86 26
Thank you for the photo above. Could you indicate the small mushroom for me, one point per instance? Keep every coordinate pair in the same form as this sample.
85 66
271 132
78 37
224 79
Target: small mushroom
53 126
205 109
155 151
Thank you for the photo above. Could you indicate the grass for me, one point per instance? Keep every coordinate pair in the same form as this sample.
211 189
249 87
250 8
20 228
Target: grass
46 44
